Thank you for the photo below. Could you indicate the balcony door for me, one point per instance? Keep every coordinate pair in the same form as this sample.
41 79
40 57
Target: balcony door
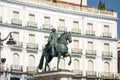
106 29
31 38
16 59
31 17
90 26
16 15
62 22
106 49
31 60
47 20
90 46
90 66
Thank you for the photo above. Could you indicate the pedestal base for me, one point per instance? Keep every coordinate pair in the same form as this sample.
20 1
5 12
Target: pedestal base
55 75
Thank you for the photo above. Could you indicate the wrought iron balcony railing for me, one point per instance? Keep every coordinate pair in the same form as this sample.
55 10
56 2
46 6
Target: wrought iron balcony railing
31 69
76 51
90 32
31 24
91 73
47 27
18 45
107 54
109 75
73 8
61 29
76 31
17 68
78 72
90 52
106 34
32 46
16 22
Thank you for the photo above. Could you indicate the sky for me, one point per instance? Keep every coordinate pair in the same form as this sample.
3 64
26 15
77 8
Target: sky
109 4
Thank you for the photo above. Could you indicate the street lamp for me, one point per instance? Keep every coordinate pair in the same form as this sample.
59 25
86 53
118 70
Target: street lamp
10 42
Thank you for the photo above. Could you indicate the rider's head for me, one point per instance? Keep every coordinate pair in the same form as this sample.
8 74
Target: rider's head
53 30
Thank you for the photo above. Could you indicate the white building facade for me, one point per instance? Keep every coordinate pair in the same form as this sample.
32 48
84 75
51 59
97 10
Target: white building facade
94 38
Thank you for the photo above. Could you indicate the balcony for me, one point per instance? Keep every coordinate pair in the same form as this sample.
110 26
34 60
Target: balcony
61 29
78 73
107 75
31 24
91 74
47 27
31 69
107 55
90 53
76 51
16 22
16 68
32 47
106 34
69 7
90 32
17 46
75 31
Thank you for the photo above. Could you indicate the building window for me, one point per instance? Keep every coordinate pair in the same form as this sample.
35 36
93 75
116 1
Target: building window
90 45
75 25
16 36
106 28
16 59
106 67
31 60
76 65
90 26
62 22
106 47
89 30
62 63
31 17
47 20
76 44
106 32
90 66
31 38
16 15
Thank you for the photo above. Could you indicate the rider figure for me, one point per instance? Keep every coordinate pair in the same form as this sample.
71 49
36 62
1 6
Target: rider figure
52 40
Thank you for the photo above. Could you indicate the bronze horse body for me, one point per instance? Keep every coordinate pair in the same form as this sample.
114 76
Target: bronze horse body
60 50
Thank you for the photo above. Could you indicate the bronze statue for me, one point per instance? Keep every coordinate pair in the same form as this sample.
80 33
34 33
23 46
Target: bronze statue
52 40
60 49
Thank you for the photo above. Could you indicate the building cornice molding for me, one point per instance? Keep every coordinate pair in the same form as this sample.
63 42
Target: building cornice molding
61 10
41 30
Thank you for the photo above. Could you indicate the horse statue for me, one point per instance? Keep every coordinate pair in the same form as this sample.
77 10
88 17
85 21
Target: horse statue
61 49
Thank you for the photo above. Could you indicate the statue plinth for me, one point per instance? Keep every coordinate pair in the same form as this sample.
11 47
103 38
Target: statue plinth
55 75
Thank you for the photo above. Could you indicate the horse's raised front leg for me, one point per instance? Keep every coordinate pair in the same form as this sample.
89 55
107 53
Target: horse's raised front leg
59 55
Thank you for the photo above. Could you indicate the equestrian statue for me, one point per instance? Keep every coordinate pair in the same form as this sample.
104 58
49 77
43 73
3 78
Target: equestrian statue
56 47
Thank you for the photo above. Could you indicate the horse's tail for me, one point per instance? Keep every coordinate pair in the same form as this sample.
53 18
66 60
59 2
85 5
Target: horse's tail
41 62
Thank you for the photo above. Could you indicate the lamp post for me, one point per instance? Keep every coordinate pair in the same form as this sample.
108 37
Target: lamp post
9 42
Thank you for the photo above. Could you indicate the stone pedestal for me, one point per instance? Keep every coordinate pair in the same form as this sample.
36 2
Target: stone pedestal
55 75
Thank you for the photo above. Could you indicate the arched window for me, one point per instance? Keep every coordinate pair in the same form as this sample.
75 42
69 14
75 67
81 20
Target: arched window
106 67
16 59
76 64
90 66
62 64
31 60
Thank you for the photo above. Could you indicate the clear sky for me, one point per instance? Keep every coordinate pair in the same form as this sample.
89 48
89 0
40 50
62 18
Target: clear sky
109 4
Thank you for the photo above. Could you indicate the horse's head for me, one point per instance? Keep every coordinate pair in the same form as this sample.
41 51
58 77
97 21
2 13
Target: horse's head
68 37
